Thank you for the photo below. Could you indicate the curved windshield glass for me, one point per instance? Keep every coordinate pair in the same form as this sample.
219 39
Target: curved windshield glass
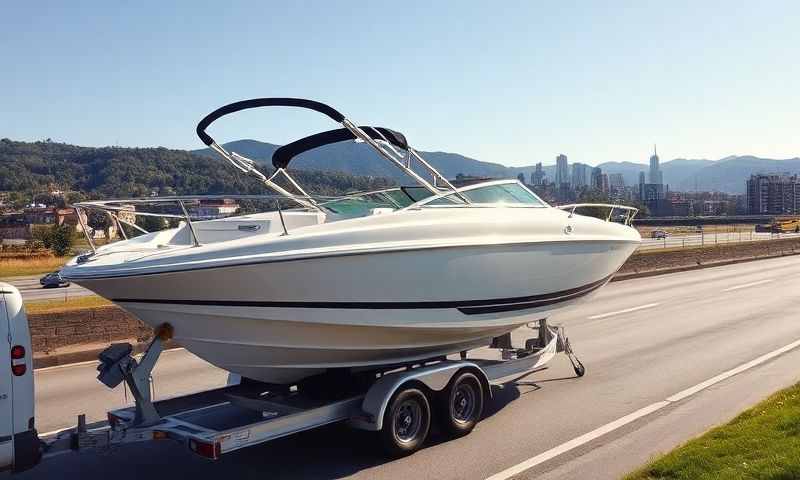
507 193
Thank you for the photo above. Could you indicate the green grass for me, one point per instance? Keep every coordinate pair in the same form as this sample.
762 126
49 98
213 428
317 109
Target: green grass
59 306
761 443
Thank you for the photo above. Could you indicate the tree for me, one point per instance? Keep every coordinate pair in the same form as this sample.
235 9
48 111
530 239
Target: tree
57 238
61 239
521 178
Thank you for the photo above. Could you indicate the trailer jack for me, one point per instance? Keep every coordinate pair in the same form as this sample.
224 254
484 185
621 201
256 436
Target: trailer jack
117 364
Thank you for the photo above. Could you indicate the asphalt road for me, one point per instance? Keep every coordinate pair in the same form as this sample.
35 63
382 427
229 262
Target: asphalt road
30 289
642 342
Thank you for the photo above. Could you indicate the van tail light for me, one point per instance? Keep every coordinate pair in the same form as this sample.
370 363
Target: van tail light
18 366
17 352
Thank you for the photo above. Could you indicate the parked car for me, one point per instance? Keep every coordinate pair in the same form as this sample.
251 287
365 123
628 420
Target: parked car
53 280
659 234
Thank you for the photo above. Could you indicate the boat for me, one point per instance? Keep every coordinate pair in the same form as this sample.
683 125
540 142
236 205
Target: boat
355 282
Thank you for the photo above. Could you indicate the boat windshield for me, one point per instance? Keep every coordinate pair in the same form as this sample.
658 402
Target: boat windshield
503 193
360 205
364 204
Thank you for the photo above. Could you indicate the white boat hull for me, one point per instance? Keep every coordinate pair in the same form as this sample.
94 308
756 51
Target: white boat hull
281 321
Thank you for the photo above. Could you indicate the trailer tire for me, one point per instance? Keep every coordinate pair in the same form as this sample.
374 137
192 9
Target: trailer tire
406 422
461 404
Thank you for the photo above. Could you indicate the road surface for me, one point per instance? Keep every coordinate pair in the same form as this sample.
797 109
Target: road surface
30 289
642 342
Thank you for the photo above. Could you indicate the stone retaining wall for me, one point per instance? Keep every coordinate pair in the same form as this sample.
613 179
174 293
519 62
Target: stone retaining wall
53 331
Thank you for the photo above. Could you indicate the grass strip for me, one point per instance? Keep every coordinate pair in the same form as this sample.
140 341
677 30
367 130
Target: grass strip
60 306
761 443
17 267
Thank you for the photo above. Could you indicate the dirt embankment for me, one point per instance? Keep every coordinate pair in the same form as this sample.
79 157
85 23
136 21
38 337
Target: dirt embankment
656 261
78 335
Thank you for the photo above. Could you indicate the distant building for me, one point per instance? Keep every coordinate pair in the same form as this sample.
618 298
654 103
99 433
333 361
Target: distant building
655 175
209 209
641 186
596 179
579 179
538 175
562 177
616 181
773 194
715 207
562 170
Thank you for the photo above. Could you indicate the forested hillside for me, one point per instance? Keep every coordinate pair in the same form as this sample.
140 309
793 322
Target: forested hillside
132 172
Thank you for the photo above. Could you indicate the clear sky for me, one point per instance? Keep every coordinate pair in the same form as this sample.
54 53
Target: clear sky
507 82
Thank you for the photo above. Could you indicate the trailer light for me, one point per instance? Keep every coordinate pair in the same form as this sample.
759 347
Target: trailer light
159 435
19 370
114 420
208 450
17 352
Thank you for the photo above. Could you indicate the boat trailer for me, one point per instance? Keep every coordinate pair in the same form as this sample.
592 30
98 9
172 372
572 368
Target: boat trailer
399 401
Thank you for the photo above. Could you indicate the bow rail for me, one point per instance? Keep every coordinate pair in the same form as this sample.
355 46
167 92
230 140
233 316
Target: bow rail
630 212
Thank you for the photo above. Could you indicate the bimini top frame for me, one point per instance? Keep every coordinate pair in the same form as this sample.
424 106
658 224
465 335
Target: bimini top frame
389 144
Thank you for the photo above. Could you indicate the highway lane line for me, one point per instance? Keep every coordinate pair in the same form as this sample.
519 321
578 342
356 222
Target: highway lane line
734 371
642 412
627 310
745 285
578 441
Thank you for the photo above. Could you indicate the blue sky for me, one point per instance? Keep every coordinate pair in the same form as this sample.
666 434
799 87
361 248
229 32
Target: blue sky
507 82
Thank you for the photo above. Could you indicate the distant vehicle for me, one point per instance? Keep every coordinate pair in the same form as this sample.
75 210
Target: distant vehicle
659 234
53 280
780 226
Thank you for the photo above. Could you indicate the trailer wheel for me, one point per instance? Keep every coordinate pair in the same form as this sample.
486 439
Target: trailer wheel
406 422
461 404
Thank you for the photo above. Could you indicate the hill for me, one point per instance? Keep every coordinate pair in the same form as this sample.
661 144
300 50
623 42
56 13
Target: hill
360 159
729 174
134 172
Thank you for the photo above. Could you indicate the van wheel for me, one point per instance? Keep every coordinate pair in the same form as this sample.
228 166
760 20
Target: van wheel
461 404
406 422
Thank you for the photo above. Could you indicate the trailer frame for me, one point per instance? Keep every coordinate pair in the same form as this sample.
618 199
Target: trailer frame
247 413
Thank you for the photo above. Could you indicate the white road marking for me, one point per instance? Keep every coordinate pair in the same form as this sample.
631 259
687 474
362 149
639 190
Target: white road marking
627 310
642 412
751 284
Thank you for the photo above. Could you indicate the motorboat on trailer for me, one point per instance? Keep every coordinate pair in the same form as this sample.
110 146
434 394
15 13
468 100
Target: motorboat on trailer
381 278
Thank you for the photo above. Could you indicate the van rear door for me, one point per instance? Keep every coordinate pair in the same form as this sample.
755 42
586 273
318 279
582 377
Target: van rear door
19 443
6 394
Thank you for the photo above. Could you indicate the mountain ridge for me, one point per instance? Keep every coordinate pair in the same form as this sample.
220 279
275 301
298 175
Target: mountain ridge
727 174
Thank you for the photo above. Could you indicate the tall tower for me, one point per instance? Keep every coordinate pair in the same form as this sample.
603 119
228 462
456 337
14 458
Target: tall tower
562 170
655 170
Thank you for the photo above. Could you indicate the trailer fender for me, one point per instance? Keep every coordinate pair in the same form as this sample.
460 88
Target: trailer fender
434 377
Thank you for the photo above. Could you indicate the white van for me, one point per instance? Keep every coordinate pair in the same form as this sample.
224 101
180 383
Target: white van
19 443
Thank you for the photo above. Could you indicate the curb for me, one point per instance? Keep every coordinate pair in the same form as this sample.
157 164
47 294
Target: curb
80 356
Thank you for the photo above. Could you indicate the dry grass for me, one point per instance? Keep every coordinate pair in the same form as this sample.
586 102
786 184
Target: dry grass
15 267
58 306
